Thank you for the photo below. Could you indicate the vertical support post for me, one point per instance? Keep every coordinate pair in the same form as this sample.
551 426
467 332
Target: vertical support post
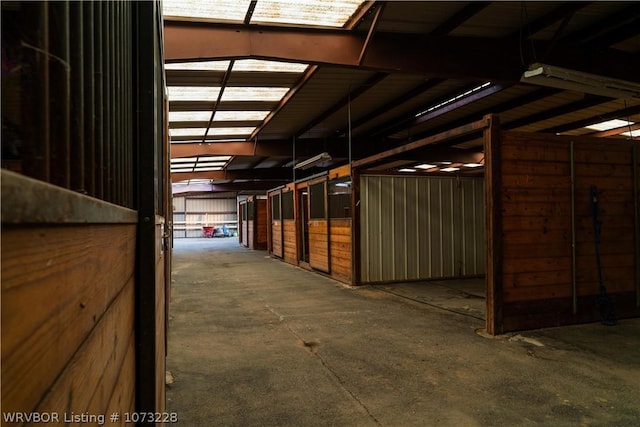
493 218
636 232
356 264
574 290
149 179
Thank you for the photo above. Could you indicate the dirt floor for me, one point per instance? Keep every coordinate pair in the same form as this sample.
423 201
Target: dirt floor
254 341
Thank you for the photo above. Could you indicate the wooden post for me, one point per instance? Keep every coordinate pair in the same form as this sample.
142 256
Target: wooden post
493 220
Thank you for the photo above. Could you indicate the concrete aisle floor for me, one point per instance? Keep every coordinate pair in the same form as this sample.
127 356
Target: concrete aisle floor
257 342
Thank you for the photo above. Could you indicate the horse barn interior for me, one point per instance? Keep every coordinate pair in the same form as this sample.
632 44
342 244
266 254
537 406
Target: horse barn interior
492 145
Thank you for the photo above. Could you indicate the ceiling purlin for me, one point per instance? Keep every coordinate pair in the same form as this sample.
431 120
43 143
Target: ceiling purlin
443 56
359 90
273 148
565 11
459 18
604 26
620 34
223 86
587 102
621 113
269 174
416 91
397 124
303 80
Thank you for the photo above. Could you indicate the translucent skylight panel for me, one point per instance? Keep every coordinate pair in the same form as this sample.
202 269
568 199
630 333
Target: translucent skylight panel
609 124
210 164
632 134
254 93
325 13
204 116
268 66
182 169
184 159
219 10
209 169
214 158
200 65
189 116
193 93
212 131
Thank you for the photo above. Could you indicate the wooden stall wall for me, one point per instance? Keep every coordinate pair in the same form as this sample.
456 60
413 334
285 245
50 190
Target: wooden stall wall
84 243
289 233
68 287
545 201
319 258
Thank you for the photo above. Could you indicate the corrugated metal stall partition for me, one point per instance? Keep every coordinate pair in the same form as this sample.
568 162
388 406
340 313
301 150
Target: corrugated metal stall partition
415 228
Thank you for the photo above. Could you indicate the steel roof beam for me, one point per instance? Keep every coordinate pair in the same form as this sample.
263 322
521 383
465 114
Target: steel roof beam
442 56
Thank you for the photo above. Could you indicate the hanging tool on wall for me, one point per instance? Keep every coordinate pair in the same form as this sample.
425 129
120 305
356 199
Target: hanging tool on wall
604 301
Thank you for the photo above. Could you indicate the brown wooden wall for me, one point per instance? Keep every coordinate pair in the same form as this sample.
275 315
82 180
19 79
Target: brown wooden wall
319 244
276 239
535 198
68 316
290 241
340 241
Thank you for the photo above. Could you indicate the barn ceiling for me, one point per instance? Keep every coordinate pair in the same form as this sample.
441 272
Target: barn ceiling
258 86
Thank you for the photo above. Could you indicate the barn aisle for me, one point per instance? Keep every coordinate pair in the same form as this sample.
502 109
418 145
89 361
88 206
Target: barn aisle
255 341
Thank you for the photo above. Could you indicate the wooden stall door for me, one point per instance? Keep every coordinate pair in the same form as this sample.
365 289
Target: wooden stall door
318 227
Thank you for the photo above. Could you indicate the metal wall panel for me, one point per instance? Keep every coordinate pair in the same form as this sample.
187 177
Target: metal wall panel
193 212
417 228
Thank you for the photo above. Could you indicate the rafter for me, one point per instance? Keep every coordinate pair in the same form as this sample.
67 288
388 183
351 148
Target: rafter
263 174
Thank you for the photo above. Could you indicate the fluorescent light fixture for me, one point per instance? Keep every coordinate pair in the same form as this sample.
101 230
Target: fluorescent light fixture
473 165
632 134
406 170
564 78
609 124
313 161
449 169
444 163
425 166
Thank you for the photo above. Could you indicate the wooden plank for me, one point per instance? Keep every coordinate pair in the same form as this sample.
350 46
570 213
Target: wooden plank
100 358
74 273
123 398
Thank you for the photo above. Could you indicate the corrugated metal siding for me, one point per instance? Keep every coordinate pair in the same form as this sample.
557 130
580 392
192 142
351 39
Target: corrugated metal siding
421 227
192 213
